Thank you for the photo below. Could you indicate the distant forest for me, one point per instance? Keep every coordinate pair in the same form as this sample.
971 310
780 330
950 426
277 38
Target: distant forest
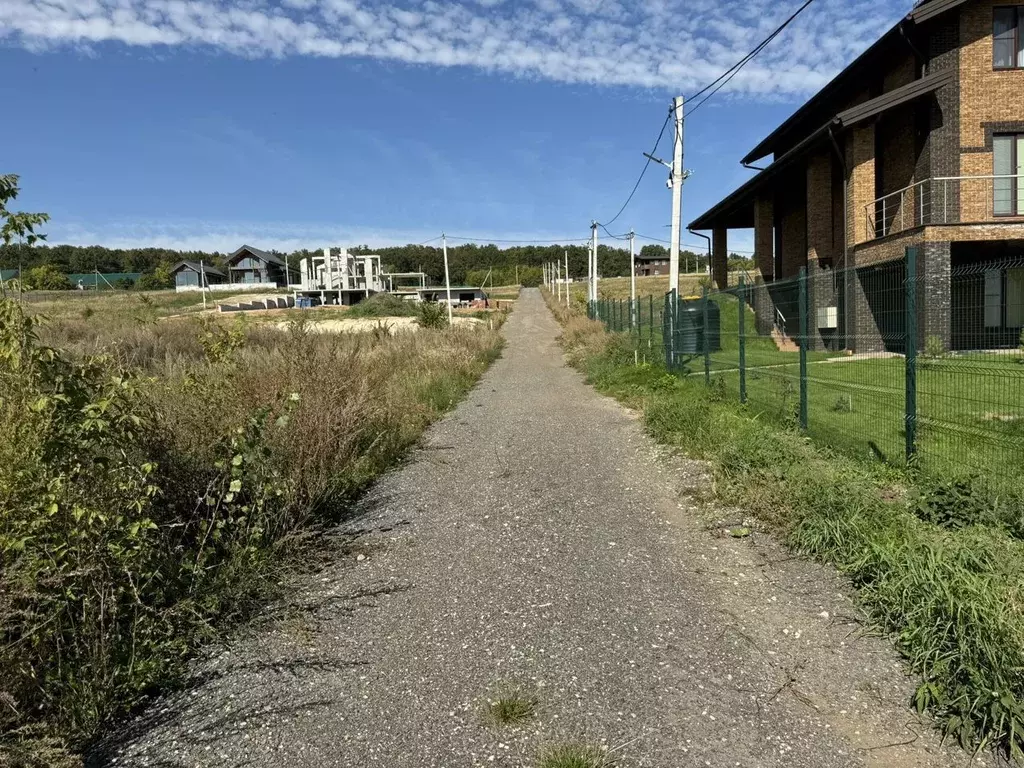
467 262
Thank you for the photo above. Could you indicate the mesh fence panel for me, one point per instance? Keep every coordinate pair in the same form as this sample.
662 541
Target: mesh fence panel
893 361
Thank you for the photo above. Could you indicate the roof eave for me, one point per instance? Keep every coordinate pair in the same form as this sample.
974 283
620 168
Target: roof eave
924 12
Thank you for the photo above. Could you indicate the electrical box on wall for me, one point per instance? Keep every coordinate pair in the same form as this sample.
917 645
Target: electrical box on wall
828 317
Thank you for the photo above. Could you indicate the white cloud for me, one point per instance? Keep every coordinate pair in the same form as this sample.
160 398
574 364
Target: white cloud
193 235
663 44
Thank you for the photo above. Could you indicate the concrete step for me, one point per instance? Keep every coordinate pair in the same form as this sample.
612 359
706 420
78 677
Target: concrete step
783 342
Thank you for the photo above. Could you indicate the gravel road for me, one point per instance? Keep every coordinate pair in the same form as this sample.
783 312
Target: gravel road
538 540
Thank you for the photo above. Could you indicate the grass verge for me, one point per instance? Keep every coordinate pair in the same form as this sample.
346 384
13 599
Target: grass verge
152 496
938 565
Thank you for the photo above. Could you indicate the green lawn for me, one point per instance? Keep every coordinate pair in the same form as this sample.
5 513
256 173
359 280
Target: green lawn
970 413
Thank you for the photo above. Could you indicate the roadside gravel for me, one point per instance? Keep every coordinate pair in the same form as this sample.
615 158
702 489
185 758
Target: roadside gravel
539 541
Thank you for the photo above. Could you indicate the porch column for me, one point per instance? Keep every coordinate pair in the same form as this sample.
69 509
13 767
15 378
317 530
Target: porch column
820 255
860 159
764 236
934 295
819 209
720 257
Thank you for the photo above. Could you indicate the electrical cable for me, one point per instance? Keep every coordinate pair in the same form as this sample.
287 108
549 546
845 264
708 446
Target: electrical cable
549 241
686 245
730 73
616 237
644 171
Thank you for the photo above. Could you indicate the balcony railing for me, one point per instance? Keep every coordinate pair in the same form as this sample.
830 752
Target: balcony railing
946 200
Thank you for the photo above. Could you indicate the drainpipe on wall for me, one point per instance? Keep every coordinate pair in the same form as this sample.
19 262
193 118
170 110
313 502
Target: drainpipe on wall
849 276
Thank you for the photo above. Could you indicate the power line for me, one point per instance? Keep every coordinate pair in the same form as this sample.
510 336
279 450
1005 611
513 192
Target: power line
642 172
730 73
608 232
702 246
549 241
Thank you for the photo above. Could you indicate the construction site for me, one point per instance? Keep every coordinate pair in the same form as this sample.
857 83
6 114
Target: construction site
340 278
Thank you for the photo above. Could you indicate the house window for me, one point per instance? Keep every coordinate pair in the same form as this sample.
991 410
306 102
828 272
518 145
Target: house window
1008 37
1008 168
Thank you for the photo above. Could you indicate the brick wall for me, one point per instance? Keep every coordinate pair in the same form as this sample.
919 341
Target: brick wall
895 168
819 207
887 249
992 101
987 95
792 231
934 296
944 117
860 160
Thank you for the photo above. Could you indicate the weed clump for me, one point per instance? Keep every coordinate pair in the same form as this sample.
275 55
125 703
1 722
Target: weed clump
432 314
512 708
574 756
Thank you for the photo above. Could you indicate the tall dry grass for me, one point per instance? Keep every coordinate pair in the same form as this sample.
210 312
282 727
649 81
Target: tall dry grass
153 494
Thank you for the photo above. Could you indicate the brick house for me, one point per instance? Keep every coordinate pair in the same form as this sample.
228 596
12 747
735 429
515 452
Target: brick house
655 264
918 143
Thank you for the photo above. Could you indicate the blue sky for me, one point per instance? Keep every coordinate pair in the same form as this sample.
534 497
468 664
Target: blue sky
208 123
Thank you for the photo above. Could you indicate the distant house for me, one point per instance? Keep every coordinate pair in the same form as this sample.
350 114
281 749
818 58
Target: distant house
461 294
251 265
652 265
187 273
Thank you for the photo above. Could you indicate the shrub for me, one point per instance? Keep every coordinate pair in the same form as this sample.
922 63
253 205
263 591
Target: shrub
151 282
432 314
46 278
934 348
383 305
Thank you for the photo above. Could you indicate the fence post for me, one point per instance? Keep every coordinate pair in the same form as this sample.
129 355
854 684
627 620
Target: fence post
707 336
650 313
803 347
666 335
743 341
910 353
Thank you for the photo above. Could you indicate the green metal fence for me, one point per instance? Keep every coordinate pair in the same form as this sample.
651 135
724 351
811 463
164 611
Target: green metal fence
642 320
903 360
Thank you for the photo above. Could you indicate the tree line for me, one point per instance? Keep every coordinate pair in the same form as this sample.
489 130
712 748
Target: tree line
468 263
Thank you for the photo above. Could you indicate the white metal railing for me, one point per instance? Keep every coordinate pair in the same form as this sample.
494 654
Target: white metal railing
946 200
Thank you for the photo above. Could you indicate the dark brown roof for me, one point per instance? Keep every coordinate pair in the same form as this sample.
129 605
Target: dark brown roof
736 211
816 109
261 255
195 266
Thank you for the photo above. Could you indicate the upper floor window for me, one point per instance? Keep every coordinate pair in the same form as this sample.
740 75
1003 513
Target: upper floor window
1008 37
1008 167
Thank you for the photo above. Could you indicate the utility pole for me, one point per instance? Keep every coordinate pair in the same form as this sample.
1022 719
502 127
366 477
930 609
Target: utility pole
593 262
632 281
677 194
202 282
675 182
567 277
447 281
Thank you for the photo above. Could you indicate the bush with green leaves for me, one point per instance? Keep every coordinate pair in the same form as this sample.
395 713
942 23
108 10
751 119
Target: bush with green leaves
46 278
432 314
383 305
